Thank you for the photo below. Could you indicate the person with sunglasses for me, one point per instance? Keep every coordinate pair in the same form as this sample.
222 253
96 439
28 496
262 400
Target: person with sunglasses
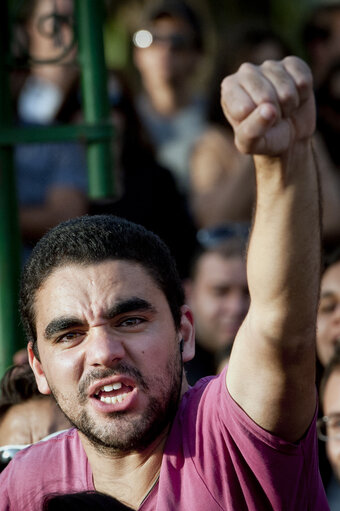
167 52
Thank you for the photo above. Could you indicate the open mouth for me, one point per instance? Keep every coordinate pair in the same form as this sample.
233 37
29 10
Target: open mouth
113 393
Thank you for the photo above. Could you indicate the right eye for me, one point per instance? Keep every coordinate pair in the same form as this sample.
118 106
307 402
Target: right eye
69 337
327 306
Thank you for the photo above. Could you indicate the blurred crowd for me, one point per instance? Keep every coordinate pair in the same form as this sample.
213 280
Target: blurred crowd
178 173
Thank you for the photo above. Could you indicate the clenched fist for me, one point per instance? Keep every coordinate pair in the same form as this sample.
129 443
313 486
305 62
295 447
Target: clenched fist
270 106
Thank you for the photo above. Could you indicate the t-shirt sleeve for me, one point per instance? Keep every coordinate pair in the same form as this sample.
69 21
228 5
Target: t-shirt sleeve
246 465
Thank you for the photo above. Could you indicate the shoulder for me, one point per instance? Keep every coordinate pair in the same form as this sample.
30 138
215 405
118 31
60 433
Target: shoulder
45 461
27 457
57 465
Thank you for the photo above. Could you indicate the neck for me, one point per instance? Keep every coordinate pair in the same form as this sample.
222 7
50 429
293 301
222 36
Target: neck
134 473
167 99
128 476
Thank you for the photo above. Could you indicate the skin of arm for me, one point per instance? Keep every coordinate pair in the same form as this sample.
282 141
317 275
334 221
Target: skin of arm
271 370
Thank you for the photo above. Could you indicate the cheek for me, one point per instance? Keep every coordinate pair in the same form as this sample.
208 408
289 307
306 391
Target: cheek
333 452
207 305
321 335
150 59
63 368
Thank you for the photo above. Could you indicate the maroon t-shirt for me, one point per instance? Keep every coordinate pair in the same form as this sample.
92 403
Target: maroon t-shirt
216 458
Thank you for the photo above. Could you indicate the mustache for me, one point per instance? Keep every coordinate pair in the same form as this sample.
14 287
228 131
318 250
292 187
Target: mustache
120 368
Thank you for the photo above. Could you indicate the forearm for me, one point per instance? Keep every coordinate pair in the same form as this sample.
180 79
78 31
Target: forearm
284 250
271 373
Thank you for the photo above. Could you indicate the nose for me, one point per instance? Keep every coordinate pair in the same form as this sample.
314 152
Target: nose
104 348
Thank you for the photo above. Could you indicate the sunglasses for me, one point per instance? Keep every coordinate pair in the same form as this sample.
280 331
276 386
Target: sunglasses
210 237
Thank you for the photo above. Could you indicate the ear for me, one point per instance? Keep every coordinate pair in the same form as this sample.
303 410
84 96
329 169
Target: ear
38 371
187 333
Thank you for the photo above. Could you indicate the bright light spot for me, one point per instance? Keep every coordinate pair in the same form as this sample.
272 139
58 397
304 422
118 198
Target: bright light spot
142 39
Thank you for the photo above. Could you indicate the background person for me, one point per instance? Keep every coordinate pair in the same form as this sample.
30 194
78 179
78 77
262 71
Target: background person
51 178
329 425
221 184
26 416
171 110
328 331
322 44
146 192
218 295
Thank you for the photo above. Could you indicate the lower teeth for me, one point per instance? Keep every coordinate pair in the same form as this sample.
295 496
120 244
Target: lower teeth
113 399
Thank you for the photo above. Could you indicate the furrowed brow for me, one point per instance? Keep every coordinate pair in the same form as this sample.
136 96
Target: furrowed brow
130 305
60 324
63 323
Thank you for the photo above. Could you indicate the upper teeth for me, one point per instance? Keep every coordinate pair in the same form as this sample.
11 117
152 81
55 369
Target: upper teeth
114 386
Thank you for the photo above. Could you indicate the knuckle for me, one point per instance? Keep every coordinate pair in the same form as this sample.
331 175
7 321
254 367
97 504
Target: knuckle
304 74
288 96
226 86
293 60
270 63
247 68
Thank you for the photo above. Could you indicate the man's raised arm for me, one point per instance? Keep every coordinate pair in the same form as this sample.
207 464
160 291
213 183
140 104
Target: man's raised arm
271 371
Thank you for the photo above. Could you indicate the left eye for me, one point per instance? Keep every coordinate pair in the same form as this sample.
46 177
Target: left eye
131 321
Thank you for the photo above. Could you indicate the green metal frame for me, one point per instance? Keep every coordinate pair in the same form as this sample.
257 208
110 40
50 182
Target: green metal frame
96 132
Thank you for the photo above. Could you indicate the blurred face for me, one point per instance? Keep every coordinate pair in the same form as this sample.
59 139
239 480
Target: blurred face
332 410
171 56
328 324
219 298
325 50
43 46
109 352
29 422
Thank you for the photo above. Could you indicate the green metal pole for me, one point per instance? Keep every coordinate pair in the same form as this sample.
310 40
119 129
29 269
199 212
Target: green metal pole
10 333
89 16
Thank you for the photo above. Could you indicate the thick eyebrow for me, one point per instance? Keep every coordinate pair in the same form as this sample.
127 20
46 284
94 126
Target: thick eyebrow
63 323
130 305
60 324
